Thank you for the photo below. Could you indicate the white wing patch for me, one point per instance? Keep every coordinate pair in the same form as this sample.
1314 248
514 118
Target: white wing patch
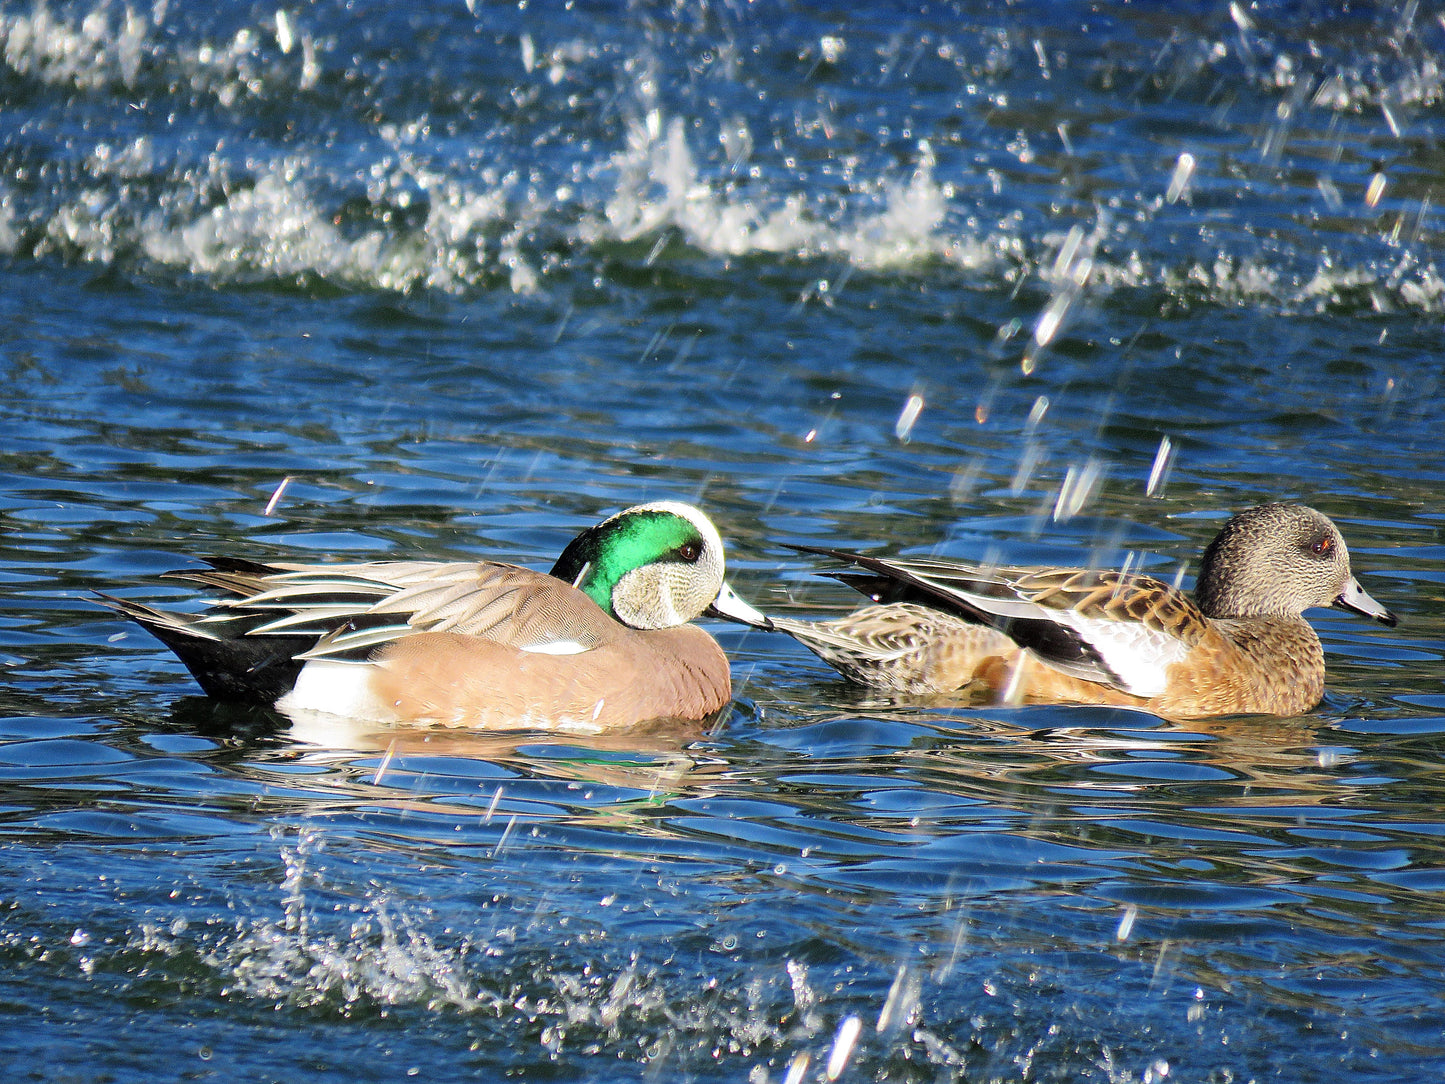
556 647
1138 654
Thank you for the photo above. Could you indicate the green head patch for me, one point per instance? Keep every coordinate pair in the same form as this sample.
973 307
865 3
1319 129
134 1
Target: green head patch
598 558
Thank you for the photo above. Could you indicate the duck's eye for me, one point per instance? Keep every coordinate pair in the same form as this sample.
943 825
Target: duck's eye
690 551
1322 547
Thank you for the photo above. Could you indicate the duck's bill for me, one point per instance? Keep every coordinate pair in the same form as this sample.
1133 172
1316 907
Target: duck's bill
1353 598
728 606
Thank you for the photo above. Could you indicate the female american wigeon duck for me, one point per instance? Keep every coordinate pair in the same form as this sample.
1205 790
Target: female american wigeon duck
602 641
963 632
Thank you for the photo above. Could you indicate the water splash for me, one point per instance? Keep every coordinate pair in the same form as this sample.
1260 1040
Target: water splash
378 183
660 186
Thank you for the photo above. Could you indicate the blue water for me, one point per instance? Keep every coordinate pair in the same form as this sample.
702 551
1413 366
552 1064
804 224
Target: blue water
1034 282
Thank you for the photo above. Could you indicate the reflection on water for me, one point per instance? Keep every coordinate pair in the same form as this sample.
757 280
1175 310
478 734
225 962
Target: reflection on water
1021 862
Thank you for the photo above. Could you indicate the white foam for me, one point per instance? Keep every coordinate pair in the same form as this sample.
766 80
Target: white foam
464 221
659 186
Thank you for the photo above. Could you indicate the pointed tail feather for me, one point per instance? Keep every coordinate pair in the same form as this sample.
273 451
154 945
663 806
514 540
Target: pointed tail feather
251 669
969 594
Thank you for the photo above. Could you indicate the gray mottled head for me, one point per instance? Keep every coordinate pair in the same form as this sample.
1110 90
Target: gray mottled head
1279 560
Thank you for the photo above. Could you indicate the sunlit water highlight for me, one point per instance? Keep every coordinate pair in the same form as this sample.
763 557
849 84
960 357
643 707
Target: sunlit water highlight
1038 283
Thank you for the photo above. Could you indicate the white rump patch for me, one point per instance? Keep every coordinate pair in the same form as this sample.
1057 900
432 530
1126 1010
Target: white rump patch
335 688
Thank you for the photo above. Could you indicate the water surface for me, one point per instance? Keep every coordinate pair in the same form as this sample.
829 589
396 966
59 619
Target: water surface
1038 282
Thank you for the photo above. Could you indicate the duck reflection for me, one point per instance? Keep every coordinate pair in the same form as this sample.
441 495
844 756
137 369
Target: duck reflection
1085 777
444 771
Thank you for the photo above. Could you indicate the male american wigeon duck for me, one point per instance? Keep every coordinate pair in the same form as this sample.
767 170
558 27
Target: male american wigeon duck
1241 645
601 641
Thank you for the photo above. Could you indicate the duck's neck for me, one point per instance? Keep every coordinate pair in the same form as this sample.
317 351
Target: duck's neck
586 566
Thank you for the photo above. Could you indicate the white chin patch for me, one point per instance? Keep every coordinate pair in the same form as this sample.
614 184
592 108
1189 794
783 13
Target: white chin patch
335 688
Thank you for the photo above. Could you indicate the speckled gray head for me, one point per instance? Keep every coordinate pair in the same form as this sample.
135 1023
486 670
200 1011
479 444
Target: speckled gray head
1280 560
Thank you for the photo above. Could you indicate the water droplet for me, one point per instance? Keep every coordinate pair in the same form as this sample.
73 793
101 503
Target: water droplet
1375 190
1126 923
1159 471
276 496
285 35
843 1043
1183 174
1078 486
912 407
